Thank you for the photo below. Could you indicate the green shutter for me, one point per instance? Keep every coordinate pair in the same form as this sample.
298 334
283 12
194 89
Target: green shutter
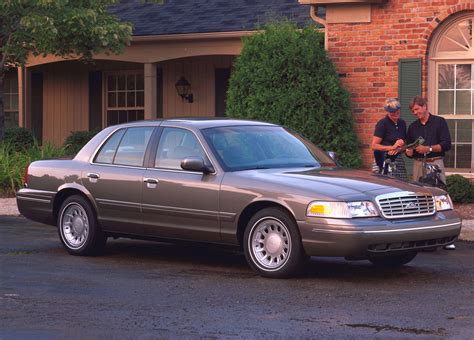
409 86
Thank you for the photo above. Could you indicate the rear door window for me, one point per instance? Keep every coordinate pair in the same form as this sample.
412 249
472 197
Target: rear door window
107 153
126 147
132 147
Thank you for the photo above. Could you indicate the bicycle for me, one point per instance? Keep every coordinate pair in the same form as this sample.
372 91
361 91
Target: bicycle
387 163
432 175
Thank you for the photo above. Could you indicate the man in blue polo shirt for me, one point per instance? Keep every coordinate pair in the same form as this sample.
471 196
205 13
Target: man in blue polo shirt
389 137
435 132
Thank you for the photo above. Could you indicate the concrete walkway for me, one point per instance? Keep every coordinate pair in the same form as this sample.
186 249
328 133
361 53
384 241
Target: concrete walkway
8 207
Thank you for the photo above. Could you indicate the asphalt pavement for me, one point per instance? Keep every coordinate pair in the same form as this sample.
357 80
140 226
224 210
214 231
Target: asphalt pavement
151 290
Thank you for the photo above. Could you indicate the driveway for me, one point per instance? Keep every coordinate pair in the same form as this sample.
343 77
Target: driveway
149 290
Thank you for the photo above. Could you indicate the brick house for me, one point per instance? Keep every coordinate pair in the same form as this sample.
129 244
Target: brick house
401 48
381 48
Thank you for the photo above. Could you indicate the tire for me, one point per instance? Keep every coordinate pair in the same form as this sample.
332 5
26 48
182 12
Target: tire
393 261
78 228
272 244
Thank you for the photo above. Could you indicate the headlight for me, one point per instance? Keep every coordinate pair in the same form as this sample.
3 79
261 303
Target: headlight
443 202
362 209
341 209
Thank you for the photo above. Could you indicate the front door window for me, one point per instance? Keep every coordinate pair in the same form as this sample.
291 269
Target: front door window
175 145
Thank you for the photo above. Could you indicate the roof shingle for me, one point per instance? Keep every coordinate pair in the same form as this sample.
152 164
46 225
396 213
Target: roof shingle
205 16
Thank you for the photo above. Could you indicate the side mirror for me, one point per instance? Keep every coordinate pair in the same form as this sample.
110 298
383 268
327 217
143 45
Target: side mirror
333 155
196 164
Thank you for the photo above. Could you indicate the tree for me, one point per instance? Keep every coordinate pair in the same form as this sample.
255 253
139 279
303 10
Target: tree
284 76
66 28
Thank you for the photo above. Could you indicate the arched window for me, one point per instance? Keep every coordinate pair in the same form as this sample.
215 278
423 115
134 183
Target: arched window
451 86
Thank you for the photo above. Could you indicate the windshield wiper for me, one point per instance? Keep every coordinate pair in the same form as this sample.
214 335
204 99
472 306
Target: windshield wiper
257 167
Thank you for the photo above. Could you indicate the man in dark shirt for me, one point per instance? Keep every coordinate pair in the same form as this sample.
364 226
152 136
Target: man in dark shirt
436 134
437 140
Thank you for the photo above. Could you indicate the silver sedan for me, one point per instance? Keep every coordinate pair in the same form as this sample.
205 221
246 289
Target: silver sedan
253 185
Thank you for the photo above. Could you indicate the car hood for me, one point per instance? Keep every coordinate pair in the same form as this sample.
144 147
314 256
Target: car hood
338 183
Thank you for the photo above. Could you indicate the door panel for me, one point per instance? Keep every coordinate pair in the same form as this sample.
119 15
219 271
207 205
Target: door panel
181 205
115 179
177 203
117 192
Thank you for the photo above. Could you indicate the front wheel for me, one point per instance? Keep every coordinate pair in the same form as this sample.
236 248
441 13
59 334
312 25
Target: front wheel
272 244
392 260
78 229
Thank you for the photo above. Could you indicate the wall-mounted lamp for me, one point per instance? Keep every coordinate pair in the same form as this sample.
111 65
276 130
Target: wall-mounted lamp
182 86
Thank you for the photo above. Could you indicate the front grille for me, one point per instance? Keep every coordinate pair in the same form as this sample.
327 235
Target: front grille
406 204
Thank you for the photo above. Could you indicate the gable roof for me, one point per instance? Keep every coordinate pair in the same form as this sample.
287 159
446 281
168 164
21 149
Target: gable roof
205 16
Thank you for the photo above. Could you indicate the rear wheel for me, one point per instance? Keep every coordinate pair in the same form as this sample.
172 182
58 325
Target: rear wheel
272 244
393 260
78 229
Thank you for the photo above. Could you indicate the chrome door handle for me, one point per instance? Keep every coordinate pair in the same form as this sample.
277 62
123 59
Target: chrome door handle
93 175
150 180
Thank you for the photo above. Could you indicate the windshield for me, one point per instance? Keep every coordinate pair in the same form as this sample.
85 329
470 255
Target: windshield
263 147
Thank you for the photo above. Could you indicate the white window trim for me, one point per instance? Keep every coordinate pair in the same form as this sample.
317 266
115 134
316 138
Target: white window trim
437 58
105 92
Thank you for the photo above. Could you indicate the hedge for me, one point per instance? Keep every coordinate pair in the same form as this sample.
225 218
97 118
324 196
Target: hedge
285 76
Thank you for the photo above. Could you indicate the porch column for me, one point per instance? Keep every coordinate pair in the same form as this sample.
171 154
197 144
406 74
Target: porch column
24 97
21 96
150 90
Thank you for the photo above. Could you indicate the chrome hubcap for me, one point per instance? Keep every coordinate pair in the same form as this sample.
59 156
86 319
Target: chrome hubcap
75 225
270 243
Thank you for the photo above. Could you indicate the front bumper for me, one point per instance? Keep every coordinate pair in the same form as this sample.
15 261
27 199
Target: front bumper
364 236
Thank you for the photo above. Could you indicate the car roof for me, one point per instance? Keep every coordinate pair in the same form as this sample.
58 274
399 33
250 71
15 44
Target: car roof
196 122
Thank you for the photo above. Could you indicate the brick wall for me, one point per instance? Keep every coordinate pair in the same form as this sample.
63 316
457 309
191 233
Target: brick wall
366 54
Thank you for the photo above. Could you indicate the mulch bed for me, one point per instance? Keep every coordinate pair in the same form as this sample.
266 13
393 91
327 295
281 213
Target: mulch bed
465 210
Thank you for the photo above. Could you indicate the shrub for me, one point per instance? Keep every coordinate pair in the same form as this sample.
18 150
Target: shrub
19 138
284 76
76 140
460 189
13 163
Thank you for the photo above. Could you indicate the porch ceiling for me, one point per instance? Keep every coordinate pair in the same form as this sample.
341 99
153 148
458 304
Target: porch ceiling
155 49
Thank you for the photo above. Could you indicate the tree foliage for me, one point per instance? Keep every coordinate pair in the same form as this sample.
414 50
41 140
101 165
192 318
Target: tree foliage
59 27
68 28
284 76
